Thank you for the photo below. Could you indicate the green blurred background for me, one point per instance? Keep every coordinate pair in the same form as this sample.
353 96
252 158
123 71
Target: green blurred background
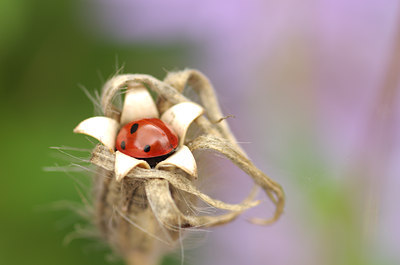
44 56
310 83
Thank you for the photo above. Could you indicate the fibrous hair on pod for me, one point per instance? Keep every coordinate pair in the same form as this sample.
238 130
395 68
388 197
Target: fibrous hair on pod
146 212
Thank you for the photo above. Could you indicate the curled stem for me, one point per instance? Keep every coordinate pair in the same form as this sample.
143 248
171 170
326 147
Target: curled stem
140 212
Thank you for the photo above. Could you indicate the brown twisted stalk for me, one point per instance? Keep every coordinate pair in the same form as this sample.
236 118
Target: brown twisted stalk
143 216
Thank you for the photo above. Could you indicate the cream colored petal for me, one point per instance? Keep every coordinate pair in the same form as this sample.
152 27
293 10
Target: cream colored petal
124 164
138 105
103 158
180 116
182 159
102 128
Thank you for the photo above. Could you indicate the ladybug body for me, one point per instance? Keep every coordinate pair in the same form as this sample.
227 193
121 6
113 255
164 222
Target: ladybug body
147 139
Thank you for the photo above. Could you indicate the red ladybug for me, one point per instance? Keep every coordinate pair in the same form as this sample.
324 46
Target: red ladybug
147 139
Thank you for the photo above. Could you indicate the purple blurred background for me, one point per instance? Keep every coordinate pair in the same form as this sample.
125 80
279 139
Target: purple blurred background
313 86
306 82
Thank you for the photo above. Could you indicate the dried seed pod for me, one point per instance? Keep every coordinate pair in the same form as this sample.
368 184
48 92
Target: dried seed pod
137 208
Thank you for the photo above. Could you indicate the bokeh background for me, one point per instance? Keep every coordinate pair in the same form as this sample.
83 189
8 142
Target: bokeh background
313 86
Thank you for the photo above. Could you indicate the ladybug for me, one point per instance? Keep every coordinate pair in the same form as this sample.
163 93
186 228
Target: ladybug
148 139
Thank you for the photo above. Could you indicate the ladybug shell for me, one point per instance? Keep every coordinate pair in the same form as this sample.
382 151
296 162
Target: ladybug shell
146 138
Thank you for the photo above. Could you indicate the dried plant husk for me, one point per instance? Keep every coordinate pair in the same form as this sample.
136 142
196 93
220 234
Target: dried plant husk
142 216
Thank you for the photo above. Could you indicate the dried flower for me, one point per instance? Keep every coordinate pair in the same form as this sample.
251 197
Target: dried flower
141 210
140 105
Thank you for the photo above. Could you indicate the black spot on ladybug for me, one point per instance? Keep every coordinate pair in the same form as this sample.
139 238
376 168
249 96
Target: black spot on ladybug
147 148
123 145
134 128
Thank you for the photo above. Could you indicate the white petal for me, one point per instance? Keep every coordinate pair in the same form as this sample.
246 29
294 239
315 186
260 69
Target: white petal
125 163
138 105
102 128
180 116
182 159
